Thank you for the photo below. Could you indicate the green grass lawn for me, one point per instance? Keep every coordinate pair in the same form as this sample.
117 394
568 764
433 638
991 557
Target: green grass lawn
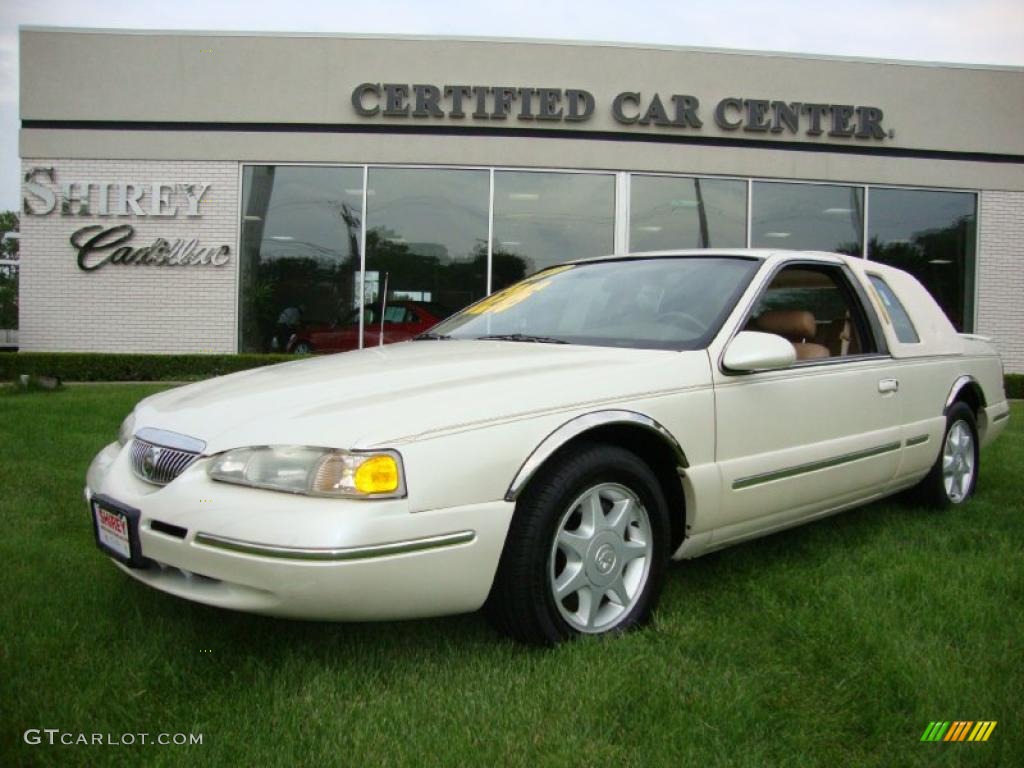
832 644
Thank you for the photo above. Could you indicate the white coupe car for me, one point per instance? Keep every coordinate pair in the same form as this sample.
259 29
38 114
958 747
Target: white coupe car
545 452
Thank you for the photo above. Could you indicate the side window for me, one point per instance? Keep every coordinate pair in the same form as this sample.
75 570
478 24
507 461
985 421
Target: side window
816 310
394 314
901 323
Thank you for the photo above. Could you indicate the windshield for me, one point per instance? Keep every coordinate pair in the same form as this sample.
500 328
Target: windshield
653 303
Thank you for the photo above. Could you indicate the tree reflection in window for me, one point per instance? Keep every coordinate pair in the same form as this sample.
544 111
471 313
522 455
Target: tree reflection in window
931 235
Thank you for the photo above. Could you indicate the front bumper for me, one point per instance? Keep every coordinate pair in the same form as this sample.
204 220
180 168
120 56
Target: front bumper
302 557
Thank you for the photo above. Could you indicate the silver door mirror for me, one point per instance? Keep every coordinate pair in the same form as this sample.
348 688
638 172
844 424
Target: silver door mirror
754 351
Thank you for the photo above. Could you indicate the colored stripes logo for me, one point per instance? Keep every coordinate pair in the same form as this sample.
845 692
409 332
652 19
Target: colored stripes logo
958 730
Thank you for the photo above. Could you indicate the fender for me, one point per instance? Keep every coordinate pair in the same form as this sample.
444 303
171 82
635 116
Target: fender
577 426
958 385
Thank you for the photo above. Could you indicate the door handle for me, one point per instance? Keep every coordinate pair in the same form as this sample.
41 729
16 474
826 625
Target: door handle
889 385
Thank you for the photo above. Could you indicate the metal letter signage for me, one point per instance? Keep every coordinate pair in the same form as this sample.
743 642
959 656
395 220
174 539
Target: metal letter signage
94 244
677 110
97 245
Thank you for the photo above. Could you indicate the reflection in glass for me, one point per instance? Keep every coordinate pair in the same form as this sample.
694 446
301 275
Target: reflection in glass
654 303
668 212
299 257
426 237
931 235
807 217
543 218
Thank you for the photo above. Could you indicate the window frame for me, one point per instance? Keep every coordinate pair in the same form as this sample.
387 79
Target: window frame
847 282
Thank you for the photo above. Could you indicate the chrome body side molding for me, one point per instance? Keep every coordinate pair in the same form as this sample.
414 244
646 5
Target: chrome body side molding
333 554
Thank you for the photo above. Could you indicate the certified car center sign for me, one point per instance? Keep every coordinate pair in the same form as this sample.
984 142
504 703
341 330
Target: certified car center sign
100 245
628 108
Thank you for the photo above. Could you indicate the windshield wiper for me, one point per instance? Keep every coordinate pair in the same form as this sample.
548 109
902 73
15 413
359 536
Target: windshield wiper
431 336
522 337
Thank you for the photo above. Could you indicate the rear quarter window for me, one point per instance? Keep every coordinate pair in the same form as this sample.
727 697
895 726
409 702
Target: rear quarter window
901 322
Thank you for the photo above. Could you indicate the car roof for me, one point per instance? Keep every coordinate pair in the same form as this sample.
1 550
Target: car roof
762 254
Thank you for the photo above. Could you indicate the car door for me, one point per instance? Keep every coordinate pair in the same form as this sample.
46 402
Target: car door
343 335
393 328
821 433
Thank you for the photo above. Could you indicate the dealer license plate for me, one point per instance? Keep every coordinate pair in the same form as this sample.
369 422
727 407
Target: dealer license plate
112 531
117 530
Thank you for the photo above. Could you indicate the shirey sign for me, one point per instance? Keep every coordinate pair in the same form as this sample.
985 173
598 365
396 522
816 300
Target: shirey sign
98 245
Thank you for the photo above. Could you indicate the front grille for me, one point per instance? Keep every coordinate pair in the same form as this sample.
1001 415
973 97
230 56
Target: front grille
159 464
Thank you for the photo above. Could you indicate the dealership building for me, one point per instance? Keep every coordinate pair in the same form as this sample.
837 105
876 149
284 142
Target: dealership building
193 192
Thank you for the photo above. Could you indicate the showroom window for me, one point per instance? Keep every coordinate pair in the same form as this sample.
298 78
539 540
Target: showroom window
426 236
427 232
930 234
669 212
807 217
543 218
299 251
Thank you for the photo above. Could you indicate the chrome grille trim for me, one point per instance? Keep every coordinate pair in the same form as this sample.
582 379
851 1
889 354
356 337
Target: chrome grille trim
174 440
168 462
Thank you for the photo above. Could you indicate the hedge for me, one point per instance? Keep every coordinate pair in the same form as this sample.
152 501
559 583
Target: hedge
92 366
1014 385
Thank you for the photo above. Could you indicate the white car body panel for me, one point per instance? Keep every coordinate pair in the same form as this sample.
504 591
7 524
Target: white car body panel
763 451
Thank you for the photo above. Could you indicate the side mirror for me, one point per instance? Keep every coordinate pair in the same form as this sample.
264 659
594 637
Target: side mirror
753 351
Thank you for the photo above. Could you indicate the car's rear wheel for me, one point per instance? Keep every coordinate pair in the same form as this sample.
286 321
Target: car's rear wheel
586 553
302 348
954 475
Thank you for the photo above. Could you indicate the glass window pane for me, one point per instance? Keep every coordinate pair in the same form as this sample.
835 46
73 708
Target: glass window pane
668 213
299 252
815 308
426 239
901 322
654 303
807 217
931 235
543 218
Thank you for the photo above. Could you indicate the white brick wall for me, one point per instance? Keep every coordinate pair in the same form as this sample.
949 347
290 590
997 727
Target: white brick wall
1001 275
131 308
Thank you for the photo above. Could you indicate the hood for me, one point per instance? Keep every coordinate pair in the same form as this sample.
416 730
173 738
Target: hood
387 395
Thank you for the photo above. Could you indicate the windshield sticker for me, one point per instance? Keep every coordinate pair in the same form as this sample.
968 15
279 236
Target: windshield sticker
517 293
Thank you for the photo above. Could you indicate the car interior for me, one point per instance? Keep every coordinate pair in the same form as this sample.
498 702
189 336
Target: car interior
814 310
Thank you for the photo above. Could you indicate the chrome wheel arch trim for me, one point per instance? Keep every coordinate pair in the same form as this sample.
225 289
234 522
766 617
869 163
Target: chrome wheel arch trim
578 426
958 385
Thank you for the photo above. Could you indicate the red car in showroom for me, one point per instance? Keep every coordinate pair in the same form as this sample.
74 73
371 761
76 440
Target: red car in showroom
402 321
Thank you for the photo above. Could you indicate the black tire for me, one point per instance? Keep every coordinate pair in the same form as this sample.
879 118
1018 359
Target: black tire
302 348
522 603
935 490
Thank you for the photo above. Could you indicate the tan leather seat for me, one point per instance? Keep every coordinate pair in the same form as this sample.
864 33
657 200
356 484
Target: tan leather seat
798 327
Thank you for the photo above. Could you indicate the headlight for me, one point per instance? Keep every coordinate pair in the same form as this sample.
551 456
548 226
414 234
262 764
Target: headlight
127 430
314 471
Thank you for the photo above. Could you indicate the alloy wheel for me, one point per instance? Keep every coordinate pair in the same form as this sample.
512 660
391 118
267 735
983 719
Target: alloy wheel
958 461
601 557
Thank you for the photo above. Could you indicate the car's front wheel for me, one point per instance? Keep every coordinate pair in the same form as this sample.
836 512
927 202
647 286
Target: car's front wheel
954 475
586 552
